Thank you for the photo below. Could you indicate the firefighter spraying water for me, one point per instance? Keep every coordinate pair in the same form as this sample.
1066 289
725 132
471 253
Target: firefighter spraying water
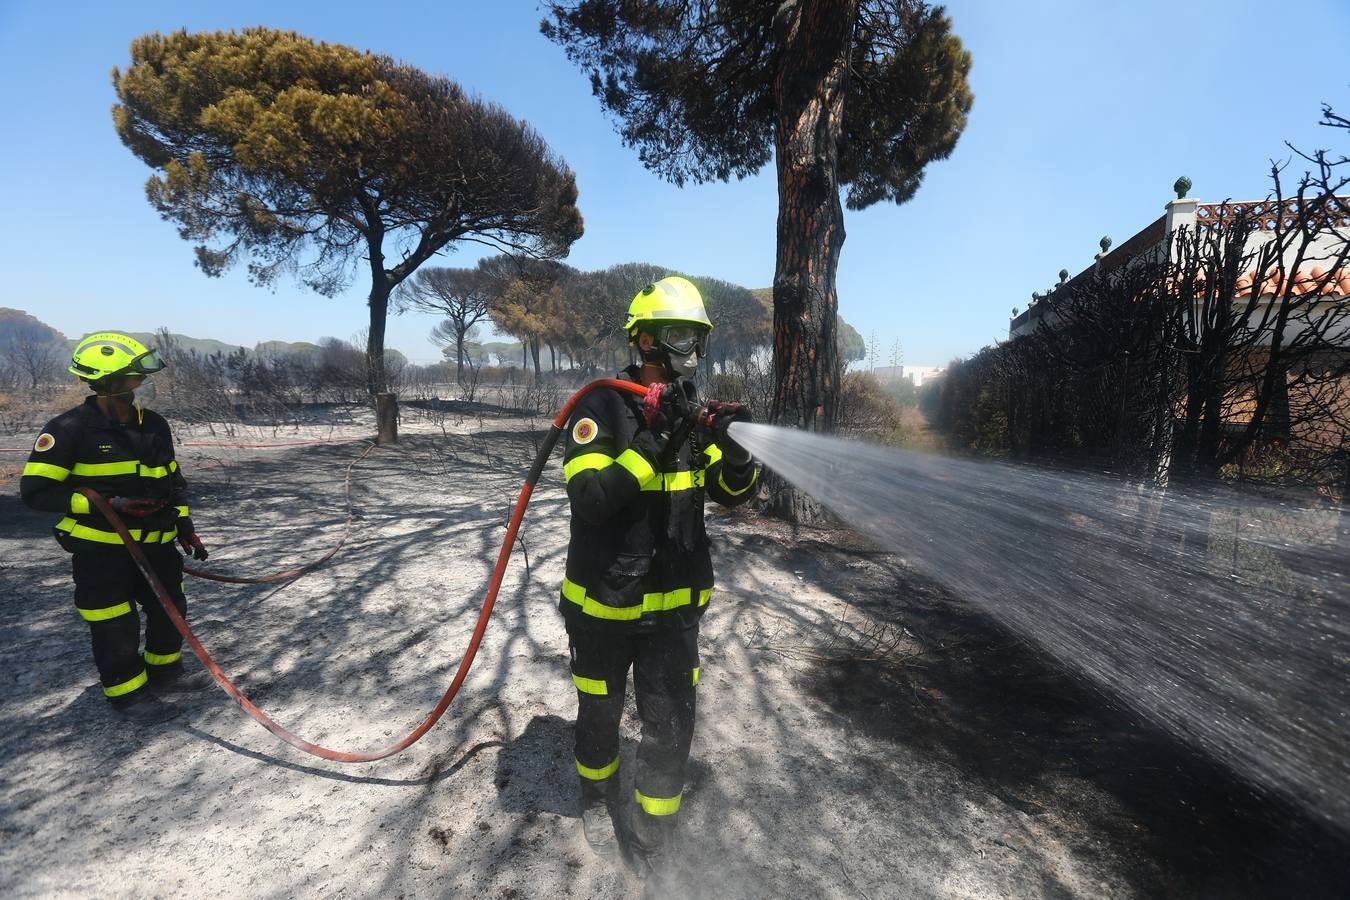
639 571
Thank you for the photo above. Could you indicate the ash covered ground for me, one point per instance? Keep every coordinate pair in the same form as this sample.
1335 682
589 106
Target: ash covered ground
862 733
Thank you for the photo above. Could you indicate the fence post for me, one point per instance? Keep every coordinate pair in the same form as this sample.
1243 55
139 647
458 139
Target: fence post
386 418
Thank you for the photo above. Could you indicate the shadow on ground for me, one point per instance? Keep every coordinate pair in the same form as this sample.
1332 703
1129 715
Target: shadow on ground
1003 714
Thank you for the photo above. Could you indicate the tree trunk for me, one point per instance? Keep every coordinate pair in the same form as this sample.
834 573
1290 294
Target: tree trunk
459 355
379 311
386 419
815 37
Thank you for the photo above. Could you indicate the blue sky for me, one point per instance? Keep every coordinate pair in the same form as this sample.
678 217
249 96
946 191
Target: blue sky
1085 113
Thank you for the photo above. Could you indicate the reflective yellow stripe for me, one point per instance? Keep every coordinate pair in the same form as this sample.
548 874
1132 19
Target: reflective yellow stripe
46 470
182 511
125 687
586 462
592 607
173 465
126 467
713 452
658 806
594 686
107 612
676 481
697 669
736 492
659 602
85 533
652 602
79 504
598 774
163 659
637 465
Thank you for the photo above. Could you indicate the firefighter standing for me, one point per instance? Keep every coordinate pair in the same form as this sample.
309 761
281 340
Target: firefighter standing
639 571
114 446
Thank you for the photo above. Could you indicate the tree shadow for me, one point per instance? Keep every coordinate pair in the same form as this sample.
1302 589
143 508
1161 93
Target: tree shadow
1014 721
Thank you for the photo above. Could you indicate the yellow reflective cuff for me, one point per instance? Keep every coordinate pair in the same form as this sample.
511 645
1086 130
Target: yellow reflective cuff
736 492
637 466
85 533
173 465
597 774
697 669
162 659
585 462
79 504
658 806
595 686
704 596
182 511
46 470
713 452
125 687
107 612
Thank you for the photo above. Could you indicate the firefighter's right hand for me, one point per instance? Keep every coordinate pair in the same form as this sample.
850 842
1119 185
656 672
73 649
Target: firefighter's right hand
137 507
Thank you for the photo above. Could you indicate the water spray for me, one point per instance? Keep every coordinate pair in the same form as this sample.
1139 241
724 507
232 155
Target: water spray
1180 604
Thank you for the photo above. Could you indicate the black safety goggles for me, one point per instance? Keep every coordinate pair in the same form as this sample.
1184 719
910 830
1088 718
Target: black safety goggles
148 363
684 339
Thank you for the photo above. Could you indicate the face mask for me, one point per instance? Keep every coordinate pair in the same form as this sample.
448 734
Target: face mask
684 366
144 394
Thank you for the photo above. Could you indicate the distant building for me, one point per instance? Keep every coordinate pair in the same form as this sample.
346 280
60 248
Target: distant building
917 374
1314 291
1154 242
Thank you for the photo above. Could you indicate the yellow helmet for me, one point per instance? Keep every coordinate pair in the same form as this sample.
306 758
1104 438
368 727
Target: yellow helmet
109 353
672 299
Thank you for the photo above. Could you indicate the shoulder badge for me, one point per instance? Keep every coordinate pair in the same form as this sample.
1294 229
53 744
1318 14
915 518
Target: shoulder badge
584 431
44 442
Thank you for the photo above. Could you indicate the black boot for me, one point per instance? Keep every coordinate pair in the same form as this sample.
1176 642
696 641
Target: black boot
144 708
597 816
176 680
649 843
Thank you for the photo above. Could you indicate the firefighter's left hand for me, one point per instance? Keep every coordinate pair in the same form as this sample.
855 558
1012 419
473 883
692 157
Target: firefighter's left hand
717 417
188 540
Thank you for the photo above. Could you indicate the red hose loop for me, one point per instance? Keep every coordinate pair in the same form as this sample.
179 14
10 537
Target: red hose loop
498 571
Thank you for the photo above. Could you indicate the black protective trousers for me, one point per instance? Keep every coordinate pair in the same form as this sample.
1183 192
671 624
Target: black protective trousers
665 671
109 588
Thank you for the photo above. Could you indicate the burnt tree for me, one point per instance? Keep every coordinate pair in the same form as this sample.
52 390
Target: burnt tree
856 93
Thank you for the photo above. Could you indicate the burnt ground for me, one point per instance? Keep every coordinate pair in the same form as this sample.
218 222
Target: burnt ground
861 732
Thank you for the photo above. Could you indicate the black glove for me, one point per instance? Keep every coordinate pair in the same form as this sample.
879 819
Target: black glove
188 540
715 417
136 507
667 419
662 406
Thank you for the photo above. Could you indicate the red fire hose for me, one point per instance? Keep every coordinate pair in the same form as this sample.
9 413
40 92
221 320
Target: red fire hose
541 459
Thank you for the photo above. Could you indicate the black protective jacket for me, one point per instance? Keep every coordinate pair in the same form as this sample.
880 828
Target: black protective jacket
639 556
83 448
